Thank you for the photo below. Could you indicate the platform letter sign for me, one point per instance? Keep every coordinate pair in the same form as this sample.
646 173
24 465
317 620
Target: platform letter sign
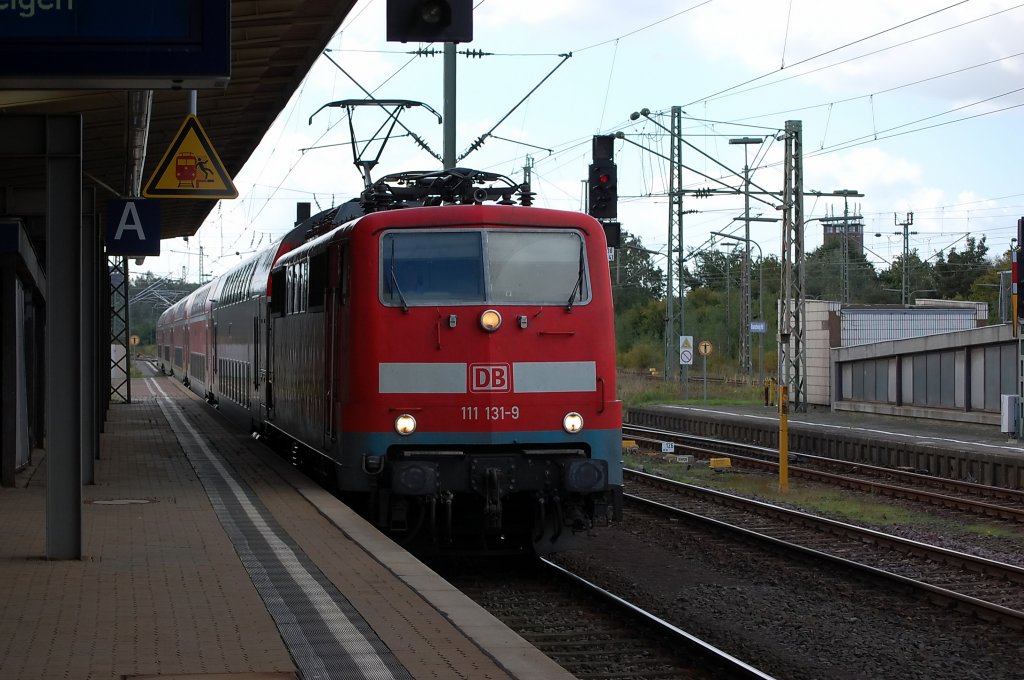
133 227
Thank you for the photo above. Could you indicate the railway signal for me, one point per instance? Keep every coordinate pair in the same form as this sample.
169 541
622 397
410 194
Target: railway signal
430 21
603 184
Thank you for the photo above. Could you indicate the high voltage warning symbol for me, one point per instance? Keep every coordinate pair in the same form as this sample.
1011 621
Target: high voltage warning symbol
190 168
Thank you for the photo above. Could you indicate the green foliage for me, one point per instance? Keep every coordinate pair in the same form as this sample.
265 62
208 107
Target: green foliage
713 309
824 276
636 279
642 356
919 274
148 297
954 275
636 388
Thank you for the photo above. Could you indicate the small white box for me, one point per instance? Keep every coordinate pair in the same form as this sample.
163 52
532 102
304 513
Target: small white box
1008 407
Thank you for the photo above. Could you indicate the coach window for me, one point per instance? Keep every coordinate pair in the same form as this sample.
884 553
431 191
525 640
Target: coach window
303 284
277 292
346 269
317 280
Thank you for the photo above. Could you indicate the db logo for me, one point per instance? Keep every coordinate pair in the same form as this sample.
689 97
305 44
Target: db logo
490 378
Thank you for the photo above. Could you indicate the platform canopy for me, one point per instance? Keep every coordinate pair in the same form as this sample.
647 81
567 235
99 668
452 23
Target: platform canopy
274 43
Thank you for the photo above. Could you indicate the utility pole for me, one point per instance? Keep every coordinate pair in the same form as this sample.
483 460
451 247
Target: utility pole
746 361
844 296
676 286
792 298
448 152
909 220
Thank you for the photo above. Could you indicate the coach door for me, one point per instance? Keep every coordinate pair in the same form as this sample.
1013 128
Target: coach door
275 309
257 365
335 320
322 274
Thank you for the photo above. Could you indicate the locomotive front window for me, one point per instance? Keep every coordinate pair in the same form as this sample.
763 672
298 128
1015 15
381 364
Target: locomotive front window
432 267
492 266
535 267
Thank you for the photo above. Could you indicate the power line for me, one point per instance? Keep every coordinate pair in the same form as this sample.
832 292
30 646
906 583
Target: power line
829 51
873 53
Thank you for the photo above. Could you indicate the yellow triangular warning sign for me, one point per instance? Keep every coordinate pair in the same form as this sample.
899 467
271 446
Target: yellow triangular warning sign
190 168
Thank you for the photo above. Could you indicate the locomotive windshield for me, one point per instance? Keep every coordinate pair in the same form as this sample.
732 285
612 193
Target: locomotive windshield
483 267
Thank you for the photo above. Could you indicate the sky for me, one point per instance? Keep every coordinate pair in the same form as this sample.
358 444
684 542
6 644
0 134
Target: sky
917 105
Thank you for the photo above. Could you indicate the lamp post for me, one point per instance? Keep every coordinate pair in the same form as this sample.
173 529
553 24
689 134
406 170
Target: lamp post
844 244
760 298
746 363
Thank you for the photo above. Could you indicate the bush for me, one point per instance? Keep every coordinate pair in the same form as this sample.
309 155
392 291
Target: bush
641 356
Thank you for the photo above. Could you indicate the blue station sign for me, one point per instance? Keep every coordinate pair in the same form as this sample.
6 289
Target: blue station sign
89 44
133 227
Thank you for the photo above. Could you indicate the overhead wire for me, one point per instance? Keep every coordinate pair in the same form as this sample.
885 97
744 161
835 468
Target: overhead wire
830 51
884 134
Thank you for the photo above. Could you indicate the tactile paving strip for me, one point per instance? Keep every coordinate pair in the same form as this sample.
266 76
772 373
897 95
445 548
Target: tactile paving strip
325 635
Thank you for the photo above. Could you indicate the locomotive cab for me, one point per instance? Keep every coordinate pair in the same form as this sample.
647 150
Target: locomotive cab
449 364
489 355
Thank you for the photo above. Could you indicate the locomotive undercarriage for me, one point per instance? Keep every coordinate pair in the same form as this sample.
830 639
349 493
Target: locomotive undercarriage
515 500
526 499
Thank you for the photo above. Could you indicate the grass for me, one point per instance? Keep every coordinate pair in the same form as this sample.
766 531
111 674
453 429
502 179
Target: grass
841 504
636 389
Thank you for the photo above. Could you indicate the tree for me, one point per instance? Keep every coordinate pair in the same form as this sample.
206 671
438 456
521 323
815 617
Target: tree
824 272
640 335
988 288
148 297
636 279
919 273
955 274
712 269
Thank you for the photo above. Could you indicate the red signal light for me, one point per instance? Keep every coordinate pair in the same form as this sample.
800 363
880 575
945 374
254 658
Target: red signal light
603 179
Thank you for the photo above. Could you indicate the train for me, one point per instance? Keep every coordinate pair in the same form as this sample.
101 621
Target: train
439 349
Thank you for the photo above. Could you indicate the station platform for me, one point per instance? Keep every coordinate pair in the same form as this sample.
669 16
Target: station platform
940 432
967 451
205 556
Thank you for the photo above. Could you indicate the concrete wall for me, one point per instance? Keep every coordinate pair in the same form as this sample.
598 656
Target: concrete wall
817 338
949 376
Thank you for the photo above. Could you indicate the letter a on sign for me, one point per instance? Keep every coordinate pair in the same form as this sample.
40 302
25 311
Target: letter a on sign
133 227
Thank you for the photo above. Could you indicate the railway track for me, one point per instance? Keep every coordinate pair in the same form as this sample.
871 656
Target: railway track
587 630
990 589
979 499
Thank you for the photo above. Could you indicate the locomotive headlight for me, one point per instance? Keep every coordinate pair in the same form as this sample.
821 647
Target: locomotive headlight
490 320
572 422
405 424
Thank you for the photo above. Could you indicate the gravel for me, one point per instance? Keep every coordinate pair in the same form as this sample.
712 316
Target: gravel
795 619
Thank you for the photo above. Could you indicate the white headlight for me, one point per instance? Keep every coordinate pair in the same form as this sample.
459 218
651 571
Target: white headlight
405 424
572 422
490 320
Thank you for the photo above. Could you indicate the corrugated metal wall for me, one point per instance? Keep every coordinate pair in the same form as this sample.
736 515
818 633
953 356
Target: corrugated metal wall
866 326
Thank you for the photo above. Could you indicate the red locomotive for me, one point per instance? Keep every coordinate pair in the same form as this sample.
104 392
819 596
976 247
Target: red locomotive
450 365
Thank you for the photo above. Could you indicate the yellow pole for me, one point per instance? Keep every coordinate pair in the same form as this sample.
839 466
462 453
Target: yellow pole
784 438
